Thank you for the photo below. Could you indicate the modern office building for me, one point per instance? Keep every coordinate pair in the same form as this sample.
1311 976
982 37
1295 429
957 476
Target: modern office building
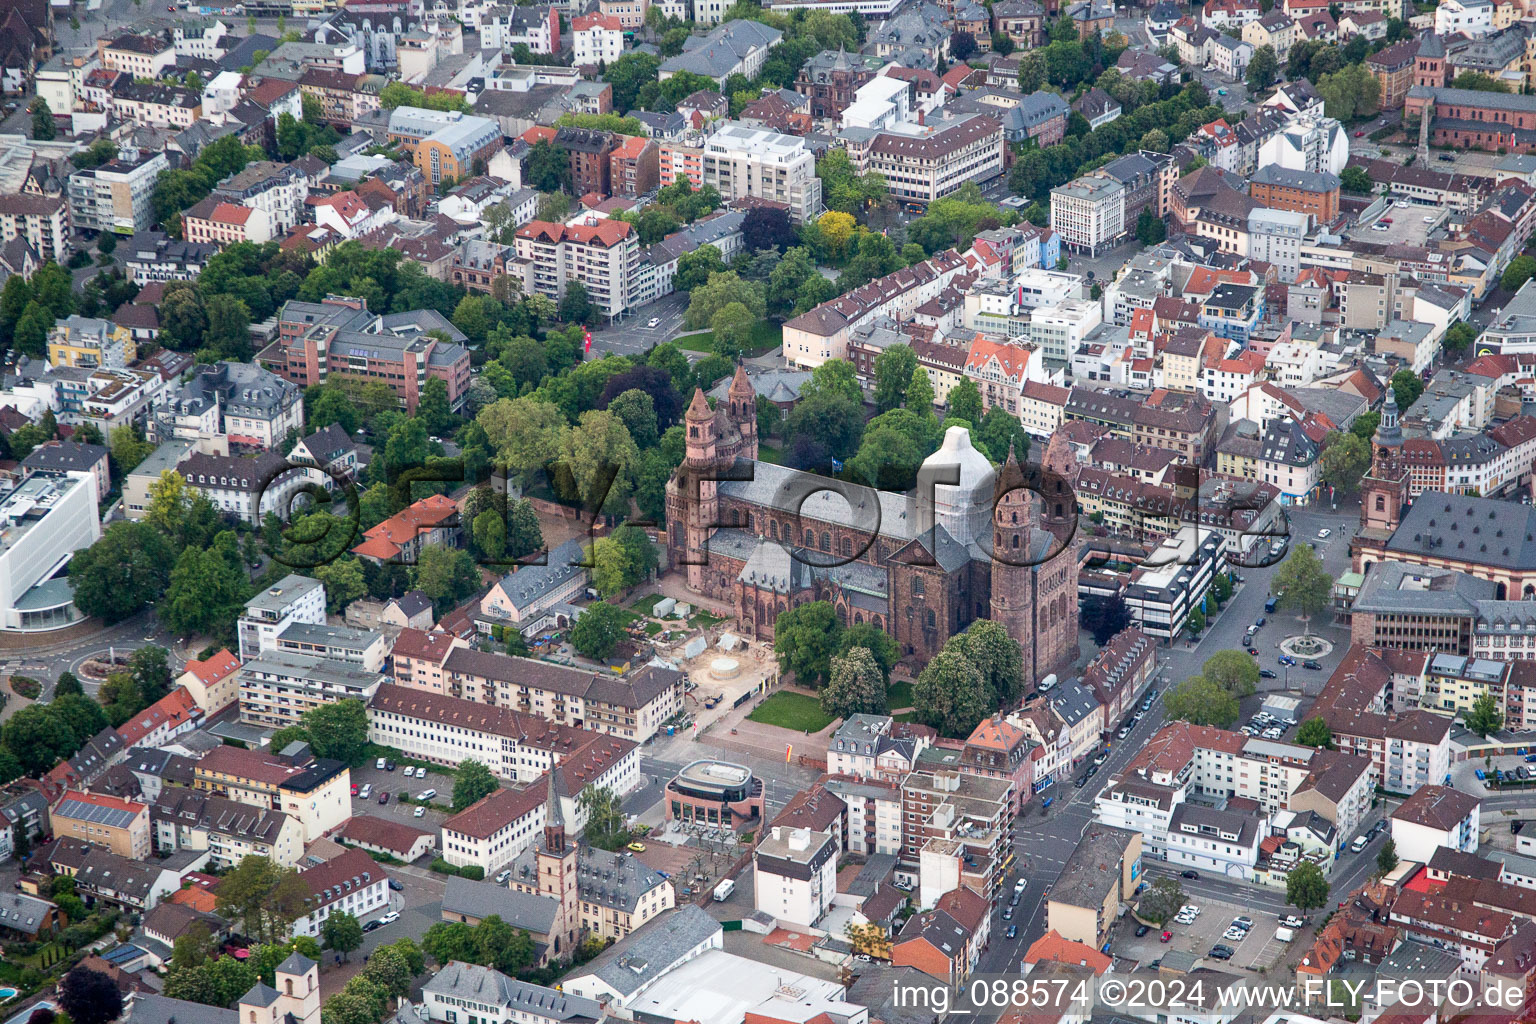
43 523
742 162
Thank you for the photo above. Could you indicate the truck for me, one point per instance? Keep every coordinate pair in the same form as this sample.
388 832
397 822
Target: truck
724 889
1285 934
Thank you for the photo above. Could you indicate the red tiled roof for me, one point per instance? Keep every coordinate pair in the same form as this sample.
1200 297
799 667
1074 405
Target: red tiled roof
490 814
173 709
217 666
386 540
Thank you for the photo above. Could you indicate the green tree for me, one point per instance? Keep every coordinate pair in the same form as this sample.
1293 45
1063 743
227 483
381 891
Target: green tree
1301 584
996 655
38 739
43 129
344 582
341 932
880 644
1386 857
951 695
920 393
447 941
1314 732
1365 425
575 307
1263 68
489 530
1520 270
548 167
1350 92
856 685
1476 81
1355 179
1461 335
1161 901
998 430
123 573
389 969
472 781
835 377
339 730
695 267
446 575
1201 701
1306 888
1482 718
88 996
638 412
720 291
604 814
1407 386
964 402
804 639
599 630
1235 671
205 594
525 535
1150 229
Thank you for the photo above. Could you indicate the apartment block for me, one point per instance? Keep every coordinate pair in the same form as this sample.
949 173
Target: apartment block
742 162
115 196
604 257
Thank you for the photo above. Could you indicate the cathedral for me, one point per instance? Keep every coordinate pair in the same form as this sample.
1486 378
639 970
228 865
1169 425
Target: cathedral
973 542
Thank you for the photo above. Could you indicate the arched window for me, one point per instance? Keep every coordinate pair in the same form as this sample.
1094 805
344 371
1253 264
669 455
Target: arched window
735 518
1381 503
932 619
826 541
858 618
1015 541
847 547
810 538
288 984
918 588
773 529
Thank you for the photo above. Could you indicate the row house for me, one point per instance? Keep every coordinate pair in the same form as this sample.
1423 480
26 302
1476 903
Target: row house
633 707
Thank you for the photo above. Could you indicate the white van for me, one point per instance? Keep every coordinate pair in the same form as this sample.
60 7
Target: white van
1360 843
724 889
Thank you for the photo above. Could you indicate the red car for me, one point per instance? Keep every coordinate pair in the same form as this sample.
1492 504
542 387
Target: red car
354 789
1165 937
1359 134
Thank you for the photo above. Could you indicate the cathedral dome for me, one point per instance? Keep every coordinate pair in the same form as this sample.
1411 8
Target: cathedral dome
962 505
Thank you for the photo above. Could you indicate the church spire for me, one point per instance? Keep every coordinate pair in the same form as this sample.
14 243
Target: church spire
554 817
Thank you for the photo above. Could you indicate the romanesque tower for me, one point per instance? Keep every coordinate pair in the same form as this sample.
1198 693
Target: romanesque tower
1384 490
701 506
742 402
1060 467
1013 543
556 862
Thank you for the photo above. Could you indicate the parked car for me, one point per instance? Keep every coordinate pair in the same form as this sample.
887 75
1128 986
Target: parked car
1310 664
1286 659
1142 929
1259 622
419 812
1007 913
1292 921
390 918
427 794
1253 651
1324 533
389 766
1165 937
372 926
394 884
379 764
354 789
1265 673
1221 952
384 797
1013 931
1243 921
636 847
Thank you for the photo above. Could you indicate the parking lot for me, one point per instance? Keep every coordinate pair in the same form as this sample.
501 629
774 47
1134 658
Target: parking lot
1403 223
1258 949
395 783
1479 776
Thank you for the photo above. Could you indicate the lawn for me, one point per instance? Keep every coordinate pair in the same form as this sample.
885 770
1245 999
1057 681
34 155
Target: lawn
899 695
768 453
704 619
908 716
652 628
647 604
788 710
704 342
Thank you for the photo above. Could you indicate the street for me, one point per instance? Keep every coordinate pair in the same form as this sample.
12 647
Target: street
1045 839
631 336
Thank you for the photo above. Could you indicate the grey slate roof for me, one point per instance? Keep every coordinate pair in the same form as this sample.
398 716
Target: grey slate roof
1309 181
478 984
1397 588
717 54
518 909
531 582
1484 531
651 950
260 994
147 1008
